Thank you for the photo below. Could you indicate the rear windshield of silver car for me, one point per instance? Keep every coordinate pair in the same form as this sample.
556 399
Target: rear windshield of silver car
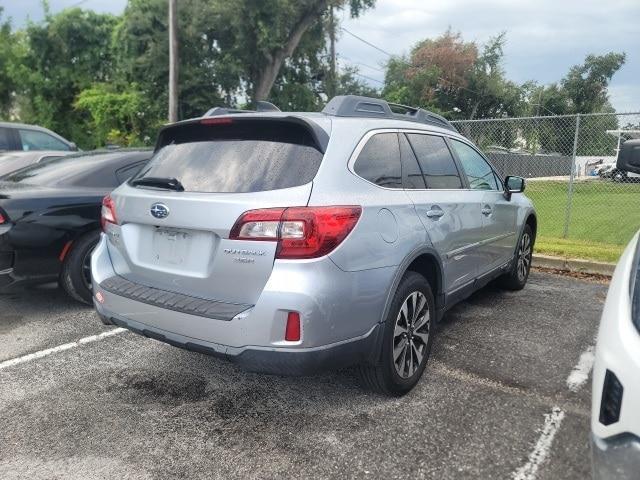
236 157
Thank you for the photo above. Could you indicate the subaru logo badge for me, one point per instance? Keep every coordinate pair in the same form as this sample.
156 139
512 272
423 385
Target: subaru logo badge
159 210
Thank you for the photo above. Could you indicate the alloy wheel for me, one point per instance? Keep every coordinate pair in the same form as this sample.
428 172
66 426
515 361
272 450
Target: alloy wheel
86 270
524 256
411 334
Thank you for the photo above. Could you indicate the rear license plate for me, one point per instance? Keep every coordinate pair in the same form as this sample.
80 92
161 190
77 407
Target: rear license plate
170 246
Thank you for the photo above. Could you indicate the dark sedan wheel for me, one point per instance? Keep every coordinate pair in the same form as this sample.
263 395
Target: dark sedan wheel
75 278
408 334
517 276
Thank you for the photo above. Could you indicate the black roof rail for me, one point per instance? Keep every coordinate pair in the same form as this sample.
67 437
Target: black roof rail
261 106
357 106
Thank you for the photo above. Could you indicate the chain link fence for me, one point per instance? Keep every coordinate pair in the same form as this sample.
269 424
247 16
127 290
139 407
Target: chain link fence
569 164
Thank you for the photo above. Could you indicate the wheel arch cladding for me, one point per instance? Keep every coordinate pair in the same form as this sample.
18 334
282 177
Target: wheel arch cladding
427 263
532 221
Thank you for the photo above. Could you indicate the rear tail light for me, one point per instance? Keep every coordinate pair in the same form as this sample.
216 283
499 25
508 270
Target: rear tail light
301 232
2 219
292 332
108 213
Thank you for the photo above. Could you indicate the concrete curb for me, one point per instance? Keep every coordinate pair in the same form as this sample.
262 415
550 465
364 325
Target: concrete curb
573 265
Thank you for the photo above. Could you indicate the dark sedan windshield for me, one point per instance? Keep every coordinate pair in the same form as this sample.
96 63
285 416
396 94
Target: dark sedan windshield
76 170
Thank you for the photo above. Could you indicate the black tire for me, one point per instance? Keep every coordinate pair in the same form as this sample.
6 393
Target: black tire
73 277
385 377
518 274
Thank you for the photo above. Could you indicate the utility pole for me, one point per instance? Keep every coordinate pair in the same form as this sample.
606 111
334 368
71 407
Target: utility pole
173 61
333 81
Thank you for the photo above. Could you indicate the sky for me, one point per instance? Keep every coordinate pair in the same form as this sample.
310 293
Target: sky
544 37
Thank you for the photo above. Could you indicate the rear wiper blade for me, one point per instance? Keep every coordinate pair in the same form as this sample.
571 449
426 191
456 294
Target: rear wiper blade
159 182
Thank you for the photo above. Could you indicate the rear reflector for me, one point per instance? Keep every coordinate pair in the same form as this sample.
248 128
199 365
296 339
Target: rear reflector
301 232
292 332
108 213
65 250
100 297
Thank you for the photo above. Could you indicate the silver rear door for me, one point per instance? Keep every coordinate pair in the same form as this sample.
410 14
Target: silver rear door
450 214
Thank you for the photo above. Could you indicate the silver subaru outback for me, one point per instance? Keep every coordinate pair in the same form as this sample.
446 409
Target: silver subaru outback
295 242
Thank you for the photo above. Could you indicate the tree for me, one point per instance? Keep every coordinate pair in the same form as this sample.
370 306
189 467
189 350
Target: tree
61 57
451 76
263 35
117 116
586 85
7 67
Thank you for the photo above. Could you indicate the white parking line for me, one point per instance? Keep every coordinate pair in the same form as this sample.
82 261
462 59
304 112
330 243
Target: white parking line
552 423
580 372
59 348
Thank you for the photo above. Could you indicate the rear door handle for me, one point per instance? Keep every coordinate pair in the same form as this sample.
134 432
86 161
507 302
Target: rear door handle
435 212
486 210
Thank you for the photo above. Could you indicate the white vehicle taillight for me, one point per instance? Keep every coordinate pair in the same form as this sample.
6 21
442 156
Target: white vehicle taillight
108 212
301 232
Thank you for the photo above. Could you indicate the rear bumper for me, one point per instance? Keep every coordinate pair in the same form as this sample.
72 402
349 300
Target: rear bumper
617 457
279 361
340 313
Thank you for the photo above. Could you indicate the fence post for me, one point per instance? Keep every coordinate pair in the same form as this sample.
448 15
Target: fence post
572 177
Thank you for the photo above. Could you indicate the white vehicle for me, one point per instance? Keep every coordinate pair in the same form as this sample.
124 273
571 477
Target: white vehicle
615 402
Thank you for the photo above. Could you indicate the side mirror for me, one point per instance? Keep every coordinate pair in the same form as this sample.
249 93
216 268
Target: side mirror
629 156
513 184
73 147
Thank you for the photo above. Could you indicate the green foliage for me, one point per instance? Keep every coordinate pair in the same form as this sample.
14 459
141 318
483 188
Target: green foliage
8 62
61 57
117 117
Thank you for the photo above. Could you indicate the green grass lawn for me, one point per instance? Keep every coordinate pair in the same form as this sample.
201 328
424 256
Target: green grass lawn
604 217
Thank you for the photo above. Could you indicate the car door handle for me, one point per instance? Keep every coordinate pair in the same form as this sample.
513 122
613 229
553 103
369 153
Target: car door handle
486 210
435 213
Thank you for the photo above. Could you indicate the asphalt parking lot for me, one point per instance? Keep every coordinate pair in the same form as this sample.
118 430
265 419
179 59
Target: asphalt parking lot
505 396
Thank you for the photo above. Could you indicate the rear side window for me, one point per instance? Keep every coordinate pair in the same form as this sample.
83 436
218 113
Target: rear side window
479 172
239 157
379 161
35 140
436 161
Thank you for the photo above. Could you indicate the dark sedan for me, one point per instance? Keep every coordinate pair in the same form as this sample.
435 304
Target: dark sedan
12 161
50 217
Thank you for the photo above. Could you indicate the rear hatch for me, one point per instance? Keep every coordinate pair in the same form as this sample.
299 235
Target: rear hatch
176 215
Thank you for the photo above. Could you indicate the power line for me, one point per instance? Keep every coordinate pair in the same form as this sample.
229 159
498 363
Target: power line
368 78
77 4
363 64
367 42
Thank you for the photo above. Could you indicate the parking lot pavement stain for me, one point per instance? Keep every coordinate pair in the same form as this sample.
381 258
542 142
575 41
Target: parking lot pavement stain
8 322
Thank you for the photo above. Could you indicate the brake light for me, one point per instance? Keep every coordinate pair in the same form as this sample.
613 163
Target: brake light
216 121
301 232
2 219
108 213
